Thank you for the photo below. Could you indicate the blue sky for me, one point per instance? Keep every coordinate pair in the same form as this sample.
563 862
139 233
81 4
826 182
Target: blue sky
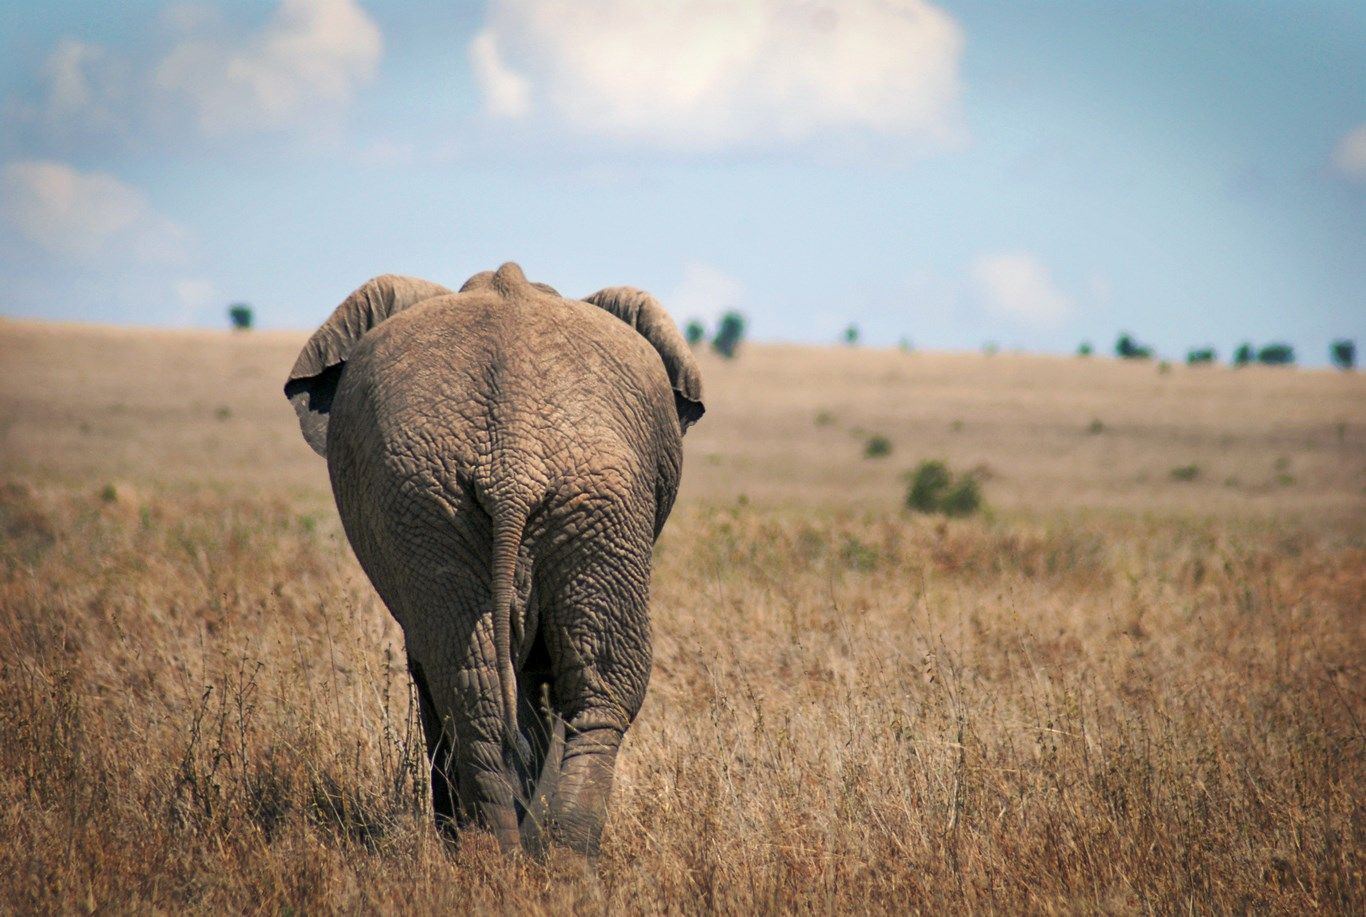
954 173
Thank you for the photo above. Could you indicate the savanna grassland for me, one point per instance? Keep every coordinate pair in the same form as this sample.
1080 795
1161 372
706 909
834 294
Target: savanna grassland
1133 683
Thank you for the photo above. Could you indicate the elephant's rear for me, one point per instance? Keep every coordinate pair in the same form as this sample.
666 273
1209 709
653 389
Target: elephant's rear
502 461
545 405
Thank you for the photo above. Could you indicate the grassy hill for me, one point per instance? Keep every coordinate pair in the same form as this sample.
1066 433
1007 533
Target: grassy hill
1132 684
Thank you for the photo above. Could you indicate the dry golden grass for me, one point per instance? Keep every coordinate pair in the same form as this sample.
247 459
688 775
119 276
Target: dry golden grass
1117 691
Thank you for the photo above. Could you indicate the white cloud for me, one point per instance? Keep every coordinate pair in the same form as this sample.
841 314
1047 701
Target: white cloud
1350 155
311 53
711 74
70 89
704 293
85 215
506 94
303 64
86 90
196 298
1018 287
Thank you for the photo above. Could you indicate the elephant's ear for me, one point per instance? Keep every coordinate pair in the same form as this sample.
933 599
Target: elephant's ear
313 380
643 312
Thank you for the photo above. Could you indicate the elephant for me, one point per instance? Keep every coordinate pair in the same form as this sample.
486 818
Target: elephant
503 459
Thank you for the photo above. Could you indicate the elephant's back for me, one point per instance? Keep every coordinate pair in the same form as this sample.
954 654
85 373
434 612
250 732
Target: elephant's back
536 389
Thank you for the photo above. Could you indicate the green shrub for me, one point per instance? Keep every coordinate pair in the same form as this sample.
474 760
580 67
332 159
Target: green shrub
1185 472
1126 348
1084 349
1197 356
877 446
962 499
1096 427
1243 354
928 483
1276 355
851 335
824 418
935 489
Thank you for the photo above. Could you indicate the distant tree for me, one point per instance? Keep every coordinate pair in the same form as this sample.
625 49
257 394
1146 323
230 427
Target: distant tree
1243 355
729 332
1084 349
905 345
694 331
1201 355
239 313
1277 354
1126 348
990 348
1343 354
851 335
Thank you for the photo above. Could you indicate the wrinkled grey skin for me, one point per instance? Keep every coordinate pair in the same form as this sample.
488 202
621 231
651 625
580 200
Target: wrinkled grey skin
503 459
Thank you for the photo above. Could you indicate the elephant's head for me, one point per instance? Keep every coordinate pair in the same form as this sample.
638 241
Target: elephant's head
643 312
313 380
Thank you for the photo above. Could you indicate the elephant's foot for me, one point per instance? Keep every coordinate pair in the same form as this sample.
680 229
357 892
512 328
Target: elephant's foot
536 812
578 808
505 830
495 809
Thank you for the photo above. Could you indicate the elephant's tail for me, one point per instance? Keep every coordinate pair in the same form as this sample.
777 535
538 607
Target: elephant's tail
508 524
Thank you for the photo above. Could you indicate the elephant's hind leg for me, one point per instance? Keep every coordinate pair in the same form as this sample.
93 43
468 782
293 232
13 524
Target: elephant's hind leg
441 758
455 653
598 635
538 727
435 570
